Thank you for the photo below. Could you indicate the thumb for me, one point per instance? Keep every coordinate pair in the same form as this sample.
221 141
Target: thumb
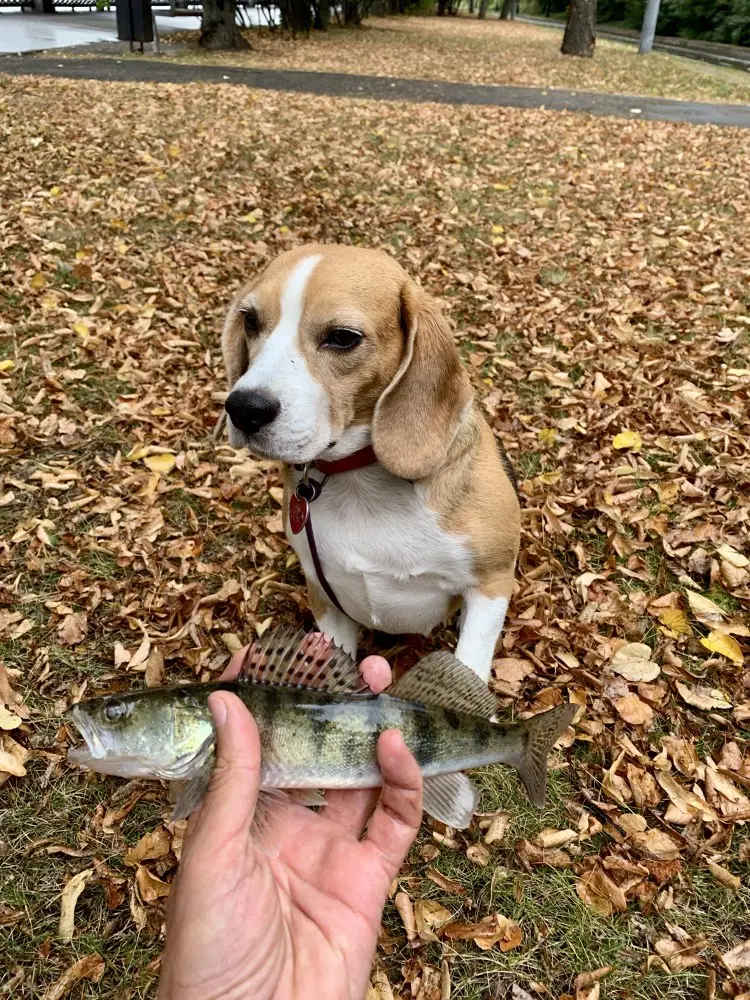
229 804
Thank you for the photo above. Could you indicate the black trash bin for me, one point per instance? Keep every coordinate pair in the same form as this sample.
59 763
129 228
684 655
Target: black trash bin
135 22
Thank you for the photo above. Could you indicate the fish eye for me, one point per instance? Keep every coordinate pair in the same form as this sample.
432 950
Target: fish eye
115 710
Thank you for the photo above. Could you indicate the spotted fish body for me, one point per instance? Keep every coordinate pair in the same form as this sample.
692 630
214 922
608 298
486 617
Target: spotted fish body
319 728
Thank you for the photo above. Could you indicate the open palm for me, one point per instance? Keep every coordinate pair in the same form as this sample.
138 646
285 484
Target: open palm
297 913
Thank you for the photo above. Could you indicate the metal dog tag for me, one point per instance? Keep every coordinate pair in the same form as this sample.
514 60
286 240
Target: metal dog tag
299 503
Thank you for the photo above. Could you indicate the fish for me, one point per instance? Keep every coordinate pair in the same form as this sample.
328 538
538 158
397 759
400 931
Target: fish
319 725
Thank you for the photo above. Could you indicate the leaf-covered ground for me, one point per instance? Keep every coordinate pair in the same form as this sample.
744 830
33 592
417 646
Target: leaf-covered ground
472 51
597 276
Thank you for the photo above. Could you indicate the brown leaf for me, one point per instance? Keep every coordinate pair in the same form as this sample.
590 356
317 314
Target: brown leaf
73 628
727 879
444 882
154 844
686 800
599 892
149 886
738 958
486 933
586 979
406 911
655 844
496 830
633 710
73 889
89 967
429 918
700 696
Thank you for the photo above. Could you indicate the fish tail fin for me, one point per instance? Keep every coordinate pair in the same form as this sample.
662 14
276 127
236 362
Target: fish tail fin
541 733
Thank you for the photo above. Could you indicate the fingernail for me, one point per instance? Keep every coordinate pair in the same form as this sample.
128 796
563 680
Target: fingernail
218 708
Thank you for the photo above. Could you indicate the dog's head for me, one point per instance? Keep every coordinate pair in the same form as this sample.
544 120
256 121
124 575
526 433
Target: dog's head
333 347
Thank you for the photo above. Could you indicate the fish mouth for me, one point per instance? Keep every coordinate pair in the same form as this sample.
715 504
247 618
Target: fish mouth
94 749
95 755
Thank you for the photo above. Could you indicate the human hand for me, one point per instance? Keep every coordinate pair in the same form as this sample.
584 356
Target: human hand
244 925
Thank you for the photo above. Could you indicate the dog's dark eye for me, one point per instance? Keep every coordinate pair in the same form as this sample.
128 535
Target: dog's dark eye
342 339
250 320
115 710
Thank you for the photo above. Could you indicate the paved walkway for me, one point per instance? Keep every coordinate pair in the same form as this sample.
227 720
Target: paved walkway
380 88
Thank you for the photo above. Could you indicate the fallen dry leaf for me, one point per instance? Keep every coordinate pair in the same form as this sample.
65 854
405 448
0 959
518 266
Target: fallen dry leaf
676 620
700 696
738 958
9 720
73 628
486 933
627 439
161 464
599 892
154 844
429 917
724 645
406 911
633 710
704 609
655 844
723 875
89 967
633 662
149 886
73 889
686 800
496 830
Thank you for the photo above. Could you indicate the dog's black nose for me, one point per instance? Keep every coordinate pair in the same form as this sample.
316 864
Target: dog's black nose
251 409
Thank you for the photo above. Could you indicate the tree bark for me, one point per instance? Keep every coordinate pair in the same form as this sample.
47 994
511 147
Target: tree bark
441 8
483 9
508 13
219 28
580 31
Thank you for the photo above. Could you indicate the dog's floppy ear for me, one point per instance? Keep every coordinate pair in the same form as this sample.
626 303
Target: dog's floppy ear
417 415
234 345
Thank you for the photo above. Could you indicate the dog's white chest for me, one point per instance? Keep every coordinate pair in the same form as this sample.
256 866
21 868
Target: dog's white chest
390 564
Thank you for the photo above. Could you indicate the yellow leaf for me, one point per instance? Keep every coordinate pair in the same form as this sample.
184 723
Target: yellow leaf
81 328
136 452
704 609
38 281
676 620
55 191
160 463
630 440
498 229
724 645
547 436
175 152
49 302
7 365
83 253
501 187
8 720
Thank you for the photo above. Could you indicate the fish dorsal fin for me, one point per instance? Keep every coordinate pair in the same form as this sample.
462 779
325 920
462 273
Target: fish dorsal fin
289 657
441 679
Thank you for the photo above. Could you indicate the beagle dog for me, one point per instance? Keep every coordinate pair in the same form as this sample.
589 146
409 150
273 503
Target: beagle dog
341 368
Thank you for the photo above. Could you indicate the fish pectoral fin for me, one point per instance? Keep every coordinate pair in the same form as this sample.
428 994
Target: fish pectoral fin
187 795
451 798
441 679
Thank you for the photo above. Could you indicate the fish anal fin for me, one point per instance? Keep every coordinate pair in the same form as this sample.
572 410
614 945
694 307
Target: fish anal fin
542 732
450 798
288 657
441 679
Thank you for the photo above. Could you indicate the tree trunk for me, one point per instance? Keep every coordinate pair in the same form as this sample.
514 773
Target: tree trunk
484 4
441 8
580 31
648 28
322 15
471 6
508 13
219 29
